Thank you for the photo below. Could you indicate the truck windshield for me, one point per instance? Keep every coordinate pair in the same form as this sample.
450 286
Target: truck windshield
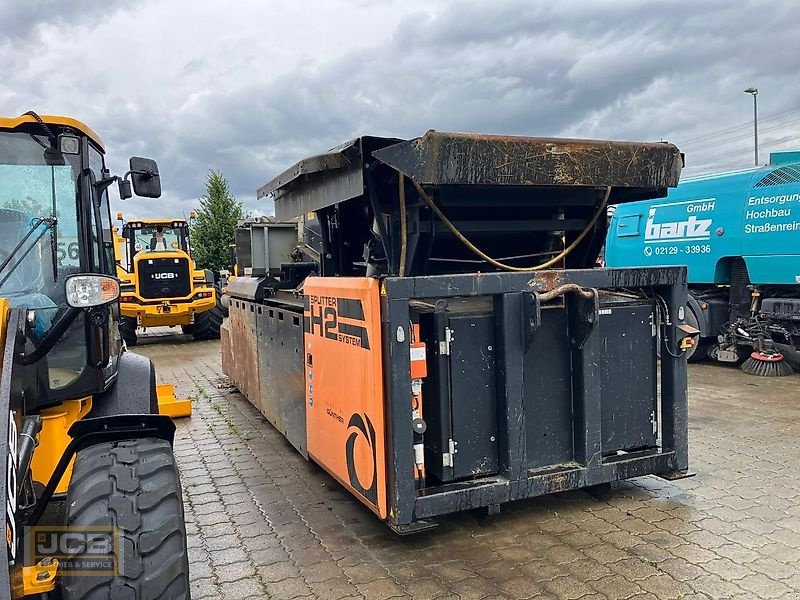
32 190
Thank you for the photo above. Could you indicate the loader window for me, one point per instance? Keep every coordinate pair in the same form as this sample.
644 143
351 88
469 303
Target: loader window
157 238
106 249
32 190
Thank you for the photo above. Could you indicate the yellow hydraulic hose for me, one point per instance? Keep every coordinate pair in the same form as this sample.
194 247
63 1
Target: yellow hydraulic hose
589 226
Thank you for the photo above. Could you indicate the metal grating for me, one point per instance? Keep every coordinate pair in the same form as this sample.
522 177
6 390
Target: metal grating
781 175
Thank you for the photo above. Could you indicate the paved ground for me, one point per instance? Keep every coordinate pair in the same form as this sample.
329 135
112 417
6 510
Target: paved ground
263 522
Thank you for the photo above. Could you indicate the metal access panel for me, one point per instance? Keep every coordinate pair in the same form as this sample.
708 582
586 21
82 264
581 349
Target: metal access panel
244 256
281 373
547 368
573 378
270 244
628 377
345 411
473 395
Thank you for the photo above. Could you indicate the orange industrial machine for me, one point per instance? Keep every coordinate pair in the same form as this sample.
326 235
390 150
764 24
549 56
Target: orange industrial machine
425 325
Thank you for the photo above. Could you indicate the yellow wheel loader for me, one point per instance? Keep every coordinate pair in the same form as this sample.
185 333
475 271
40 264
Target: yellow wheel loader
161 284
91 493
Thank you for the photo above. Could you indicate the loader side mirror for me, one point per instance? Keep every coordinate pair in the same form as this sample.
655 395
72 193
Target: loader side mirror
144 177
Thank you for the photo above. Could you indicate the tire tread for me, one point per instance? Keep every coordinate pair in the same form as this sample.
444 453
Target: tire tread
147 508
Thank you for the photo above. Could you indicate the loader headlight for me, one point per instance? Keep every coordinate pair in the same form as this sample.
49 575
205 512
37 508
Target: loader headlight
84 291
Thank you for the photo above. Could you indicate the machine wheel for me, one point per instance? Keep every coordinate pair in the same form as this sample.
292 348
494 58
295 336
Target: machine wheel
207 324
700 350
132 486
696 353
187 329
127 328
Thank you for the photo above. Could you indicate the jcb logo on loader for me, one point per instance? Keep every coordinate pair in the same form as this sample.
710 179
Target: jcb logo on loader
324 318
165 275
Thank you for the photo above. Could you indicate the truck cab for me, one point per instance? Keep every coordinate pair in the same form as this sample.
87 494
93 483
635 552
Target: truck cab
738 235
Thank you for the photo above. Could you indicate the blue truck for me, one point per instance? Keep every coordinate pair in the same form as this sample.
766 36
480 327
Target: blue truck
739 236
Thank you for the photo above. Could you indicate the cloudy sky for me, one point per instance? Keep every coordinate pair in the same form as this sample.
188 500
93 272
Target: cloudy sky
250 87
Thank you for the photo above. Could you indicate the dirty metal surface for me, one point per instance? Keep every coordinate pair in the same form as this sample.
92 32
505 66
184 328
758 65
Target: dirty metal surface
346 155
442 159
333 159
439 158
265 523
280 366
240 360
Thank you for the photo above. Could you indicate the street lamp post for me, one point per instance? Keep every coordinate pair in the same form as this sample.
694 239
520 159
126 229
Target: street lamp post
754 92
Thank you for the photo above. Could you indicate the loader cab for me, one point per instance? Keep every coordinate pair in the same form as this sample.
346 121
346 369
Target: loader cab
155 236
156 259
55 224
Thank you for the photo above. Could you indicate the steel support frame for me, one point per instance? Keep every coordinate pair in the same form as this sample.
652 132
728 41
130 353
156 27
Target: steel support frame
514 481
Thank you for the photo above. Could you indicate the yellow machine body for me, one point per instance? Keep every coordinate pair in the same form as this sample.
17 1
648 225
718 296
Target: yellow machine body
43 396
53 439
162 309
169 405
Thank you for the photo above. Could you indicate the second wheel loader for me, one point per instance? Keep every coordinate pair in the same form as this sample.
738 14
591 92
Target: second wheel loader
160 282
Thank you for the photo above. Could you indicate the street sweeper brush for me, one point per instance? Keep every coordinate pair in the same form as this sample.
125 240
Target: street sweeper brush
767 364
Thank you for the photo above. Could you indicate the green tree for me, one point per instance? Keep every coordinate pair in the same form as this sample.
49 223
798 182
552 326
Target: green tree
213 229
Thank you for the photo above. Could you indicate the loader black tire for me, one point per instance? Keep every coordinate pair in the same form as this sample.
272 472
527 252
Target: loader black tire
207 324
127 329
187 329
133 486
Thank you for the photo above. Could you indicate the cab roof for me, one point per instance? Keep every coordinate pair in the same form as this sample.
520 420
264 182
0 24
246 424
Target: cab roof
147 222
15 122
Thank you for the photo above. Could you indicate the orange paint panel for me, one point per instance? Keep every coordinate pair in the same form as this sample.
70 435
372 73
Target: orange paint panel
344 384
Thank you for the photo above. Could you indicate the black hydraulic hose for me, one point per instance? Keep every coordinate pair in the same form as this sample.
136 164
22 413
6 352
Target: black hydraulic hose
31 426
50 135
53 335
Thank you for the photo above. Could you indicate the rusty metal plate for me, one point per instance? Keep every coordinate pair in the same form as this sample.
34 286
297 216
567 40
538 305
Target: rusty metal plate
239 350
439 158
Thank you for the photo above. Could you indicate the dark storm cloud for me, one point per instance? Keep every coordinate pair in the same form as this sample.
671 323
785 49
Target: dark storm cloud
19 18
621 69
512 67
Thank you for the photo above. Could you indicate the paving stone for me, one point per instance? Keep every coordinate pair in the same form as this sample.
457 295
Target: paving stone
244 588
204 588
264 522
